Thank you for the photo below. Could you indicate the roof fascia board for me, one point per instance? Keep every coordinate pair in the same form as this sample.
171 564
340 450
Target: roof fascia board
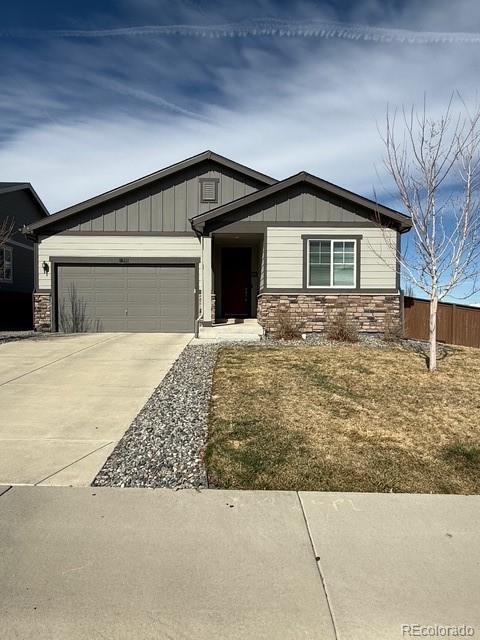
376 207
241 168
26 186
19 186
200 220
148 179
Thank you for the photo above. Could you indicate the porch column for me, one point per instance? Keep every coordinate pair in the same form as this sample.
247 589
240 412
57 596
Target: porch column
207 279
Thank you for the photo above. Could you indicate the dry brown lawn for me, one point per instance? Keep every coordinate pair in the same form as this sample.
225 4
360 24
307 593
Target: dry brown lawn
344 418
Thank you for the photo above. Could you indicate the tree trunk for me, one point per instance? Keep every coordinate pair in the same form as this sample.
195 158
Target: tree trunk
432 363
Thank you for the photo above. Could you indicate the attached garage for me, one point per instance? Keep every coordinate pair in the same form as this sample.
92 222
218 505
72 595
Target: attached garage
113 296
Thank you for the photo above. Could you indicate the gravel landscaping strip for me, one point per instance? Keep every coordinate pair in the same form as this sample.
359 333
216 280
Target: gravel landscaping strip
320 340
365 339
375 340
12 336
164 445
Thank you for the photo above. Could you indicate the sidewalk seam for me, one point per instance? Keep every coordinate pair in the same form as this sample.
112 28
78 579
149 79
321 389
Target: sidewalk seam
74 462
319 568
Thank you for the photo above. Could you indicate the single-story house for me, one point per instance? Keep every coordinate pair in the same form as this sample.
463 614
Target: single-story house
20 205
208 239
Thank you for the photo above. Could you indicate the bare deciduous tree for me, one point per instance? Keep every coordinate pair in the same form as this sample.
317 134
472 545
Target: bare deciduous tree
435 165
6 230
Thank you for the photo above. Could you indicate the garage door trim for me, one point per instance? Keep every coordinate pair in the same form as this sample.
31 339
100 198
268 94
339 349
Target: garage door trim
57 261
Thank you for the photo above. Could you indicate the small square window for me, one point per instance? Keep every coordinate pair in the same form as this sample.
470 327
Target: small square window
208 190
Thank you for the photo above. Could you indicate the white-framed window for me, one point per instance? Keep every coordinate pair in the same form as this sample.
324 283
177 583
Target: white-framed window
6 264
331 263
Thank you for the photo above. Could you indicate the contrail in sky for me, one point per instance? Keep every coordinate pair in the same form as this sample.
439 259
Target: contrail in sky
146 96
261 28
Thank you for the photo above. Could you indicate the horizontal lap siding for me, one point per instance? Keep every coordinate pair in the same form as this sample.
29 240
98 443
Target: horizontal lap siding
113 247
285 255
23 263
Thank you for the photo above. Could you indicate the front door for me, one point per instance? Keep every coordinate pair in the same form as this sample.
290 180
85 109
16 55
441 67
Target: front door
236 282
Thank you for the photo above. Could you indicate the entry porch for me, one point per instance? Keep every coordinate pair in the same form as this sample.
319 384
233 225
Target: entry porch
233 267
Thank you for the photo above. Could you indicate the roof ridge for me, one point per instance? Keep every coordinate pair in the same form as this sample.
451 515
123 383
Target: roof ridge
152 177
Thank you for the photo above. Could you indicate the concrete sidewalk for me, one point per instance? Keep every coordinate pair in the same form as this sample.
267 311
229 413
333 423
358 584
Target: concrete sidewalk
156 564
66 400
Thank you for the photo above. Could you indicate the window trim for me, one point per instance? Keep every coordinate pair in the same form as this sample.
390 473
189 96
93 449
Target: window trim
215 182
356 262
332 285
10 250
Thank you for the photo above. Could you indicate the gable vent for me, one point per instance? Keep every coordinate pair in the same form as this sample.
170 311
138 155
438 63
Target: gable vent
208 190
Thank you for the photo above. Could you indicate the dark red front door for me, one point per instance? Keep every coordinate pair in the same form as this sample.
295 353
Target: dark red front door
236 282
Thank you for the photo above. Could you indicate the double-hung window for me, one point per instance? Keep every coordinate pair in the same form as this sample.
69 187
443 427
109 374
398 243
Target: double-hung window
331 263
6 264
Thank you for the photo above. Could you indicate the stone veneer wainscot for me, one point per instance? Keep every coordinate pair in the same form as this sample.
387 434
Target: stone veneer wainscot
312 311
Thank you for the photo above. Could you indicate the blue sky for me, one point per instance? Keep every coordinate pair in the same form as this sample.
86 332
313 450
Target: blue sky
84 108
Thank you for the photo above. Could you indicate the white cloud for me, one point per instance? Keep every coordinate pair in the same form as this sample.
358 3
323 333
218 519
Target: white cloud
289 106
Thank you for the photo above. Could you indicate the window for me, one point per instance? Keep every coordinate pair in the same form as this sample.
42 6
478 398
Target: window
6 264
331 263
209 190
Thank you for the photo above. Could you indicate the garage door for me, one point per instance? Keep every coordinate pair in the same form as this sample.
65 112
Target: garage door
109 297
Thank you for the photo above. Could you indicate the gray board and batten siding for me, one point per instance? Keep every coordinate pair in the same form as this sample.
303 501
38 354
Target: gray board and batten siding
267 201
164 206
301 203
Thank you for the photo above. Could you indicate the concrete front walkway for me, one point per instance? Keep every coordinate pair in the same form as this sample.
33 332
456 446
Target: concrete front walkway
156 564
66 400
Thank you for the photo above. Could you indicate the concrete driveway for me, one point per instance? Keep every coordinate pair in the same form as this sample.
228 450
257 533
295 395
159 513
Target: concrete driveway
65 401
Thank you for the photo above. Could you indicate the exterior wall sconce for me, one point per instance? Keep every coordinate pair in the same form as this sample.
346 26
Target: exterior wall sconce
45 268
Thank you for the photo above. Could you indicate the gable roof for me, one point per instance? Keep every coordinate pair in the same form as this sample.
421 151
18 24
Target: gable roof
7 187
403 221
152 177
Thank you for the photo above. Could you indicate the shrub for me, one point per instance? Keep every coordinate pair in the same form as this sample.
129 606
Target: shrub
392 331
287 328
340 327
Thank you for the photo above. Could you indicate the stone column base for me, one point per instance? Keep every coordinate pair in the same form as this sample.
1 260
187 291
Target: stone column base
203 322
213 307
42 311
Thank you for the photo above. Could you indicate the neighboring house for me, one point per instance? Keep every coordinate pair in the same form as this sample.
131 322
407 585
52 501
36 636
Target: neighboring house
20 203
207 239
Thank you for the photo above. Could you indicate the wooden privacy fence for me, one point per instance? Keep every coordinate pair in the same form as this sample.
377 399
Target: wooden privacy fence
456 324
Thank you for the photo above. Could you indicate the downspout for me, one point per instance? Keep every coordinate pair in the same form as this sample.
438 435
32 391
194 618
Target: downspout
197 326
200 314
